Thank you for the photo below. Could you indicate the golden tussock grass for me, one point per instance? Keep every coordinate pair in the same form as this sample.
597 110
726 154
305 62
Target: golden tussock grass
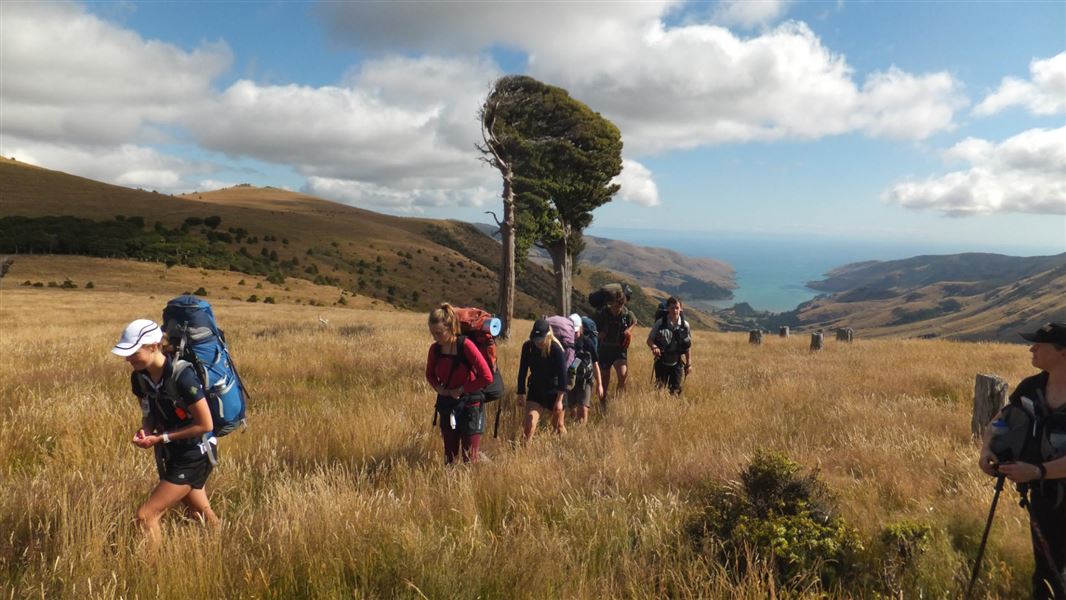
338 487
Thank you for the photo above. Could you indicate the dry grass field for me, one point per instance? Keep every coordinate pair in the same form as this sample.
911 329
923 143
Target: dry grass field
338 489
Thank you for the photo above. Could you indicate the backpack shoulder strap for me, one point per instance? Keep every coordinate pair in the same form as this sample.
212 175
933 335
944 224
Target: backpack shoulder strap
178 367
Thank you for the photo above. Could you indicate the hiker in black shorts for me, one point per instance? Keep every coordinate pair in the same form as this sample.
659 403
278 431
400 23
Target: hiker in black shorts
587 374
1040 471
670 340
543 368
175 422
615 324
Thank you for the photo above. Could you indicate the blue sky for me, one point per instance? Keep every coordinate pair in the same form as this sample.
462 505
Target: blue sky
892 121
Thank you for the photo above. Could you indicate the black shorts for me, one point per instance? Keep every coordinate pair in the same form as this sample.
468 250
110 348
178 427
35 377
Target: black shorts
545 401
184 467
670 376
610 355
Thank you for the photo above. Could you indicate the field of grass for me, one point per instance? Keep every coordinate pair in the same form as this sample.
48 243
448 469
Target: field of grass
338 487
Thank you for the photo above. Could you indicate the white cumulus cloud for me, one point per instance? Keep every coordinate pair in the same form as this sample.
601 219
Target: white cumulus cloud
1043 94
637 183
71 77
1025 173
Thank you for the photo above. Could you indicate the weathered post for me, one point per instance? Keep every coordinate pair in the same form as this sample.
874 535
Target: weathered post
816 341
783 331
989 395
845 334
755 337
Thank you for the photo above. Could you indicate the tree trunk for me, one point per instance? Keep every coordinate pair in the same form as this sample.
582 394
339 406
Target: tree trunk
507 261
563 265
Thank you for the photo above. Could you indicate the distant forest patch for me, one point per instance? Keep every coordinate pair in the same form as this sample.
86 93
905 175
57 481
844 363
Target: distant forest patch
127 237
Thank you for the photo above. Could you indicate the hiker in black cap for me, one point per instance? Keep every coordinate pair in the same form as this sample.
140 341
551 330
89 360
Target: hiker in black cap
1041 469
544 361
175 422
615 324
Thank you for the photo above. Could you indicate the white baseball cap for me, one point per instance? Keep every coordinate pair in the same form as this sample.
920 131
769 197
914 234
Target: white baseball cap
576 320
137 334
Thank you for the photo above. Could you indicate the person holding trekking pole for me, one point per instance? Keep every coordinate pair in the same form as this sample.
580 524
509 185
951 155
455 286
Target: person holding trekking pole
175 423
670 340
1039 468
543 369
615 324
457 371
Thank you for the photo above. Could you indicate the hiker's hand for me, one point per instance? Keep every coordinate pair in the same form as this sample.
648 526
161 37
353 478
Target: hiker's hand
688 368
656 352
599 392
455 393
987 462
141 440
1020 472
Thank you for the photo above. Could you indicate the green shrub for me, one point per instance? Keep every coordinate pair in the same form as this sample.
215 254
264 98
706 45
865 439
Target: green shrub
68 284
89 285
268 300
200 291
253 298
786 518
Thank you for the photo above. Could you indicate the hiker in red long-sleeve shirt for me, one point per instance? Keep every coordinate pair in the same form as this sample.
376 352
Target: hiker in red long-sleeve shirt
458 373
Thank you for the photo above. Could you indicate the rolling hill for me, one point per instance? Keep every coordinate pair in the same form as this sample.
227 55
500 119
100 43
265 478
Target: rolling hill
271 237
969 296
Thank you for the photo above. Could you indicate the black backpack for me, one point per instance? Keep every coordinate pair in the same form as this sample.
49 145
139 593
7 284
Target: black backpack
603 296
1033 433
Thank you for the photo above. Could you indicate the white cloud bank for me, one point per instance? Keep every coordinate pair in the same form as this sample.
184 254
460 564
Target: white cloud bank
400 131
1043 94
749 13
1025 173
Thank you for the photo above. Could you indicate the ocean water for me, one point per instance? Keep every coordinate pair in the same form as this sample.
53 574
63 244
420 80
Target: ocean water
771 272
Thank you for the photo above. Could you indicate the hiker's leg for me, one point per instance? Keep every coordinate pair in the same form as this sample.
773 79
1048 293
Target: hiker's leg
676 378
164 496
558 415
471 446
451 442
529 425
605 374
623 372
199 507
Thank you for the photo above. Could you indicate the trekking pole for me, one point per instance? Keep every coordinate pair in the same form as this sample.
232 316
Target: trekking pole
496 426
1041 542
984 537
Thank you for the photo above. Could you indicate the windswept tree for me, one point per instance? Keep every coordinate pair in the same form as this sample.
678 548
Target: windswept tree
558 158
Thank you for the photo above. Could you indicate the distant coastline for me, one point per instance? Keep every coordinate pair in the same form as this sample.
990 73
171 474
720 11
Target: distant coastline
772 271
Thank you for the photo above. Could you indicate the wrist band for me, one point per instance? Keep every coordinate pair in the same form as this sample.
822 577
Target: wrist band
1043 471
166 438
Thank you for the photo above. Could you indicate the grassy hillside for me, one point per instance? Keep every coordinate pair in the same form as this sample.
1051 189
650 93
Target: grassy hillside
966 296
337 489
410 263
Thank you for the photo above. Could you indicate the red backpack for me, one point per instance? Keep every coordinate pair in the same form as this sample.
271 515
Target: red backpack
481 327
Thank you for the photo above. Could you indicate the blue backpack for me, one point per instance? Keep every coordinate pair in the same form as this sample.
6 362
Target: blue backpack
191 328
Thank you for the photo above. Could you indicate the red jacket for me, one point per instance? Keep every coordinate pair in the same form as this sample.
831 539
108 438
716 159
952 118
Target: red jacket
439 366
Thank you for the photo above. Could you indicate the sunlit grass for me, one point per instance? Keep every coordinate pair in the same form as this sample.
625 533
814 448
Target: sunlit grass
338 488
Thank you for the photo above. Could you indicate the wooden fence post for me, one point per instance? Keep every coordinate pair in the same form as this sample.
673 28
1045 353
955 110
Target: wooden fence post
755 337
783 331
816 341
845 334
989 395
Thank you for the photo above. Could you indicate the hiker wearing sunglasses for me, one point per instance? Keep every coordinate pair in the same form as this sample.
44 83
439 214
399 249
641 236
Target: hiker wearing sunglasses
542 372
1037 412
175 423
457 371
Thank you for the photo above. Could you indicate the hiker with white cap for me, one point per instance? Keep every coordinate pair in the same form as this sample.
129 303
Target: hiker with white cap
543 369
587 373
175 422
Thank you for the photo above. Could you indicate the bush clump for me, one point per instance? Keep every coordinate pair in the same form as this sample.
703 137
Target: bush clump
779 515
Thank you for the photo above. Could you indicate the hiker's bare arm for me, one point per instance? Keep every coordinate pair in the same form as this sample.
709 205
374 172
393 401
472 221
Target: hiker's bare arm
201 424
1022 472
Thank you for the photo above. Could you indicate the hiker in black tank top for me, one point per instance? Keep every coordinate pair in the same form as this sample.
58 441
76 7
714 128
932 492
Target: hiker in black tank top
543 369
175 422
